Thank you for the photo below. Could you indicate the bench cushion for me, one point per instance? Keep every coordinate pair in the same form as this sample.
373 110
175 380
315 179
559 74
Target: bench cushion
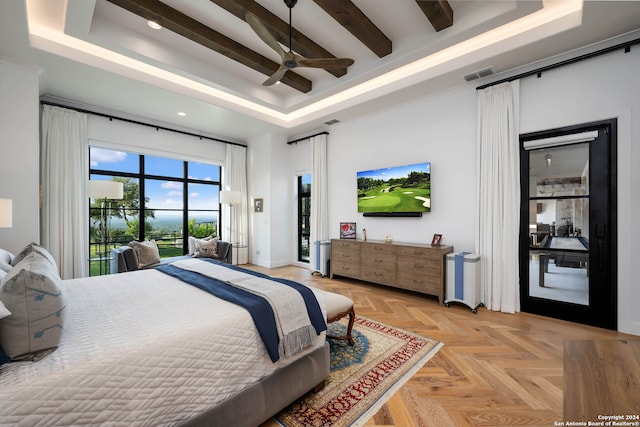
336 304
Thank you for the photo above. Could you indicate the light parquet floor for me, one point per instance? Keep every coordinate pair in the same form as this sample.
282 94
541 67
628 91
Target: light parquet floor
494 369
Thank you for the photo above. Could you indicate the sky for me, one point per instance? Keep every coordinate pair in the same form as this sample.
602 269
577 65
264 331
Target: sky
162 193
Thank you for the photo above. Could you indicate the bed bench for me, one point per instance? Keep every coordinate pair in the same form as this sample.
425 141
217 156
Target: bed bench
339 306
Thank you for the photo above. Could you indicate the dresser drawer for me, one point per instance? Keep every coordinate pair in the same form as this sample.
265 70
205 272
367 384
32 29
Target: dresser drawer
423 265
384 277
431 285
342 251
346 269
419 252
378 262
371 250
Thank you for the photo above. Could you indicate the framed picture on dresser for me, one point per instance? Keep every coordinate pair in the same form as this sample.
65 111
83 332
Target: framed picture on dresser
437 239
347 230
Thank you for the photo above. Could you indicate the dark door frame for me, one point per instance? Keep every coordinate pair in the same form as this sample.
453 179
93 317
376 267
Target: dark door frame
602 310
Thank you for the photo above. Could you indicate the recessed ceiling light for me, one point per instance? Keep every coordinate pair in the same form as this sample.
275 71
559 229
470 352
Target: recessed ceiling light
182 113
154 25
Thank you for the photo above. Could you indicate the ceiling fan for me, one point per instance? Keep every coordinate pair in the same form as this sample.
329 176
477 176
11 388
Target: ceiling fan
290 59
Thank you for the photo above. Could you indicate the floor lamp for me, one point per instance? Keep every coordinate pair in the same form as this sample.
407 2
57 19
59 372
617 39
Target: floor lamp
105 190
6 213
231 198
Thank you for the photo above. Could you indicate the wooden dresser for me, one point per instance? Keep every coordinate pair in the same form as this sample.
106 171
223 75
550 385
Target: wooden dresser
414 267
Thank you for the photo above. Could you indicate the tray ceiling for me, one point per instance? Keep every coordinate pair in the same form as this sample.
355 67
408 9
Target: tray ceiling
207 55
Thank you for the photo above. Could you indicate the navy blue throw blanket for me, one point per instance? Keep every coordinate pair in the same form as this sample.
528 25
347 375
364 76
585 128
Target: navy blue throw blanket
259 308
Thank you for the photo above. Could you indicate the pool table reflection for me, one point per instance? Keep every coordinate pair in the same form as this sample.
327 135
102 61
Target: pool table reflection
571 251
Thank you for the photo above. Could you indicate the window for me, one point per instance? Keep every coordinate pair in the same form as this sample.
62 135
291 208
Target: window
174 198
304 216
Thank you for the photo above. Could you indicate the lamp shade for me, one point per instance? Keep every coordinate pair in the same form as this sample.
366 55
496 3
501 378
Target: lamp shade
105 189
6 213
230 197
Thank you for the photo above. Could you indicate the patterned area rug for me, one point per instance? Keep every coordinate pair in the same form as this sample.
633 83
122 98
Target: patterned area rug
363 377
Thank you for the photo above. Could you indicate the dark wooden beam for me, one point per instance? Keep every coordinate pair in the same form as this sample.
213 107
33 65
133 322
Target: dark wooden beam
358 24
302 44
179 23
438 12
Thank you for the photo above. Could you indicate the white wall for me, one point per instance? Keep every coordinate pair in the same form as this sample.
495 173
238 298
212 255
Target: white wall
269 178
258 186
19 145
442 130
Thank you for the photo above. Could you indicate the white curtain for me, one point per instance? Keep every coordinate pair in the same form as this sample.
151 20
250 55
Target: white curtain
64 158
319 197
498 192
235 179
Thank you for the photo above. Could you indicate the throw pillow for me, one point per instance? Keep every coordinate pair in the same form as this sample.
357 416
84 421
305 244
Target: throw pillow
130 259
34 294
193 243
6 258
207 249
34 247
146 252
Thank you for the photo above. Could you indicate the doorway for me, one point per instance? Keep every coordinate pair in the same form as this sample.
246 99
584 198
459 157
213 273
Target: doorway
568 233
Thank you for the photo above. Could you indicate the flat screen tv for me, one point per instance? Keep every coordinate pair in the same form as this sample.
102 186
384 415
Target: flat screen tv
395 191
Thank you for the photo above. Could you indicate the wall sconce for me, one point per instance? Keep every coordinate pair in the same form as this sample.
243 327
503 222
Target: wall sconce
547 159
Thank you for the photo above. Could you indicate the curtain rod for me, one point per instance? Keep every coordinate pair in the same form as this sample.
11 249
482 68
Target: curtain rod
539 71
307 137
110 117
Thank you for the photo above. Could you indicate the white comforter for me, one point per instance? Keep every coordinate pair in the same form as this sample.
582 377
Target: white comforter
139 348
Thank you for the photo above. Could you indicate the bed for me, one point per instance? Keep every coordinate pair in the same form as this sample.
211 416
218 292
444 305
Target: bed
146 348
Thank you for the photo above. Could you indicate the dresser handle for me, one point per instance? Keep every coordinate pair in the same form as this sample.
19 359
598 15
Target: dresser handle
375 248
418 265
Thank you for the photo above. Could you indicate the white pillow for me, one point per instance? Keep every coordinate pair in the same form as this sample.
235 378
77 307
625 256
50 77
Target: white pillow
146 252
6 259
193 243
34 294
207 249
34 247
4 312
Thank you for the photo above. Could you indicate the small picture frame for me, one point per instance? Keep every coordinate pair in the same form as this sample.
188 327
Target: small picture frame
347 230
437 240
258 205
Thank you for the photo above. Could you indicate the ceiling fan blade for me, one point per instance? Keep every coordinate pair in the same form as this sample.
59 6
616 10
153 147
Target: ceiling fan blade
275 77
261 30
326 63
